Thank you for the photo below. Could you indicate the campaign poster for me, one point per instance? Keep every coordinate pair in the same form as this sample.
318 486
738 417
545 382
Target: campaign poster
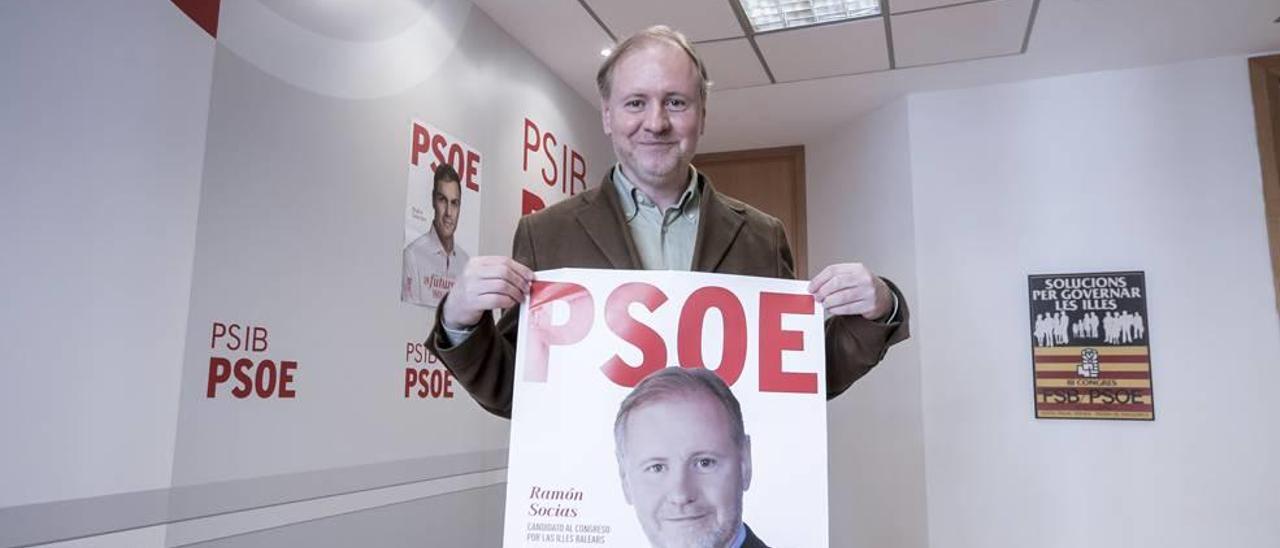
441 215
1090 350
660 408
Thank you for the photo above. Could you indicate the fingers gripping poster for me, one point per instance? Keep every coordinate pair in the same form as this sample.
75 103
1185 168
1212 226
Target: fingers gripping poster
660 408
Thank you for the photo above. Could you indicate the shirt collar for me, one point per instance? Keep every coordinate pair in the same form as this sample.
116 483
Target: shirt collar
740 538
631 197
433 240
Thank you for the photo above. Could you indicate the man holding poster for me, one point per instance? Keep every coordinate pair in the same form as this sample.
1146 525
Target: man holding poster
653 211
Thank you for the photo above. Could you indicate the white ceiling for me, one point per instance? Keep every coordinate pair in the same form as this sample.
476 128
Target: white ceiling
826 75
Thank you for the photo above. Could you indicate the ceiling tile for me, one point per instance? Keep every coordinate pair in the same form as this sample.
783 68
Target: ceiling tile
826 50
899 6
957 33
732 64
697 19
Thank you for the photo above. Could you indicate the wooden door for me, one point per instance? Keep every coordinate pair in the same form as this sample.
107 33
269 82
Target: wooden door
771 180
1265 72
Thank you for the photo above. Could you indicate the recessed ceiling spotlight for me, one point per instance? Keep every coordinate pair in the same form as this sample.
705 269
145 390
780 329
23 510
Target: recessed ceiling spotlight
788 14
606 52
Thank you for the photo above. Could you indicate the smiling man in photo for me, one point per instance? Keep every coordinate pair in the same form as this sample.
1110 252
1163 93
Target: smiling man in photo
684 459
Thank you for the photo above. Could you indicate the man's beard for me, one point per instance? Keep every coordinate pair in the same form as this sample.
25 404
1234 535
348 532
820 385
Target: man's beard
717 537
662 165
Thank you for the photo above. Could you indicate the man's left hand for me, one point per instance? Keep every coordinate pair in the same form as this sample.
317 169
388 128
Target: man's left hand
851 288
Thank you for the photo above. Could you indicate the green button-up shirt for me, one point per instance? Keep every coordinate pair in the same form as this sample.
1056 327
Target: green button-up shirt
664 238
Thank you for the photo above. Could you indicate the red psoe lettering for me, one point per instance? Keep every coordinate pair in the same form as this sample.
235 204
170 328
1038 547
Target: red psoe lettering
543 334
265 379
245 383
433 383
219 372
286 379
652 350
457 157
438 144
421 139
448 384
774 340
410 380
733 354
471 170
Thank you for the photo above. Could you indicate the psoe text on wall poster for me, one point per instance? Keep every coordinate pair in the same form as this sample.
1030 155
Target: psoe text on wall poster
1090 351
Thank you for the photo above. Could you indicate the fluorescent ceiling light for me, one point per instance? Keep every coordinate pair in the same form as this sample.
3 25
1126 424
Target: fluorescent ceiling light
788 14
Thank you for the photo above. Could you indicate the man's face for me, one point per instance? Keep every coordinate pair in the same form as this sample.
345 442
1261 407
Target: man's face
654 115
683 473
446 199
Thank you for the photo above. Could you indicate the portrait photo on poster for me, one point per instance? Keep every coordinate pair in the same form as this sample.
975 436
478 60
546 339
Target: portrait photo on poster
441 216
684 458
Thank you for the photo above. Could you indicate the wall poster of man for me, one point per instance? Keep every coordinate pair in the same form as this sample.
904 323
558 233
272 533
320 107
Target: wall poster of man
1090 348
441 220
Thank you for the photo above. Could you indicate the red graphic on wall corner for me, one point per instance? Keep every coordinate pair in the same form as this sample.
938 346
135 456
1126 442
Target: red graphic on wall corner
202 12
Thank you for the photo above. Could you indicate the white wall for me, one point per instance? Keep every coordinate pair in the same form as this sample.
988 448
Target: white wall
103 109
1153 169
156 180
859 209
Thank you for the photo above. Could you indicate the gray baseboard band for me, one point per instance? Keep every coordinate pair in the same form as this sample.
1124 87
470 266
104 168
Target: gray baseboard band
47 522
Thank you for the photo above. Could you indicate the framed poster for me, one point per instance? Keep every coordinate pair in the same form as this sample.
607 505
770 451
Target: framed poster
1090 351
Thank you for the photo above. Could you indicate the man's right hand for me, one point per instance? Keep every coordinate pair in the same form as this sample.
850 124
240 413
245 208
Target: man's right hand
486 283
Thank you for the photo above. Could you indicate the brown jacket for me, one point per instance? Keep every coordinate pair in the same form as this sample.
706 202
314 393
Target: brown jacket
588 231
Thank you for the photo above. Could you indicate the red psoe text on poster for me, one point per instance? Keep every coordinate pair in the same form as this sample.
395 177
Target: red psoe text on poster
544 332
774 340
250 376
466 162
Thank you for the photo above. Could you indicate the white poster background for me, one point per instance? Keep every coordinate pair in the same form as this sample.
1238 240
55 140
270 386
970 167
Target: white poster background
562 429
418 212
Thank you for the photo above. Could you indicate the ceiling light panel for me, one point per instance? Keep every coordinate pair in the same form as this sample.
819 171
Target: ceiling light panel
766 15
